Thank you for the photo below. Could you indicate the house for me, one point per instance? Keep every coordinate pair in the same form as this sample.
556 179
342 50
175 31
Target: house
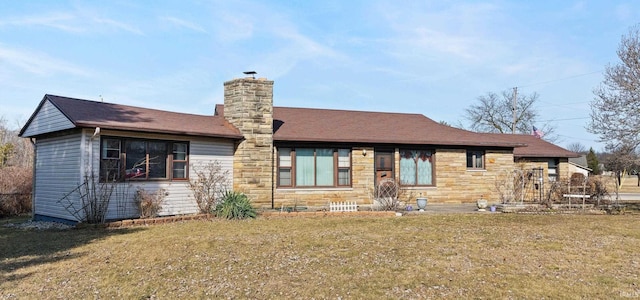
75 139
579 165
276 155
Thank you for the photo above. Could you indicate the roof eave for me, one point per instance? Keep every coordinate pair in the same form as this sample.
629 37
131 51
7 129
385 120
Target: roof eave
405 142
543 156
150 130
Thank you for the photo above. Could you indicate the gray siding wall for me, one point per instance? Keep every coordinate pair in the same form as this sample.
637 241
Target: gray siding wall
57 174
179 198
47 119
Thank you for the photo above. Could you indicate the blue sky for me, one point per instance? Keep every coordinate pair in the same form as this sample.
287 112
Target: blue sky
428 57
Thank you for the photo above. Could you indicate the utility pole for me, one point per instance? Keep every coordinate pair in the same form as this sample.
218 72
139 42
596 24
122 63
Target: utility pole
515 97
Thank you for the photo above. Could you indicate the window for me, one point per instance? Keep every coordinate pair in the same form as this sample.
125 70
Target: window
344 167
140 159
314 167
475 159
180 160
284 168
416 167
110 160
553 169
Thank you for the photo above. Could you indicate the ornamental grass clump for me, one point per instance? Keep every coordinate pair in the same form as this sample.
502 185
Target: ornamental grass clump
235 205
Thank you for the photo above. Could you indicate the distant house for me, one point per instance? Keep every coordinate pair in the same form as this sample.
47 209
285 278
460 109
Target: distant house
276 155
579 165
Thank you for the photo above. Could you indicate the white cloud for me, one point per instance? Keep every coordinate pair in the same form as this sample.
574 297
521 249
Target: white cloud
240 24
165 88
37 62
118 25
75 21
183 23
295 48
234 27
56 20
456 32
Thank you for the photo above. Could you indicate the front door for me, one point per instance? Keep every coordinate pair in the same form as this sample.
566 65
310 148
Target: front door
383 165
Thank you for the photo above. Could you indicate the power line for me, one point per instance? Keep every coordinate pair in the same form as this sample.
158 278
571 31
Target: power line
563 104
559 79
575 138
567 119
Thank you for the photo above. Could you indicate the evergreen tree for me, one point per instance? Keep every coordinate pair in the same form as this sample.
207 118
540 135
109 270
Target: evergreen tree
593 163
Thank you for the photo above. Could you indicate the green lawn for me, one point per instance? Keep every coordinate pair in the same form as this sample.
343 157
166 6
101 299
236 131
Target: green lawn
419 256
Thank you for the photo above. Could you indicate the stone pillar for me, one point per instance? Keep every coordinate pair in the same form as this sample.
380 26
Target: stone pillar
248 105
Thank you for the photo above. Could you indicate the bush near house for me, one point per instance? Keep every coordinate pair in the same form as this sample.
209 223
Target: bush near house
148 203
15 190
235 205
209 185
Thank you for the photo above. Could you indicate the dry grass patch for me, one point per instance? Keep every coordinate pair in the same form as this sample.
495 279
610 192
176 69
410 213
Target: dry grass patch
450 256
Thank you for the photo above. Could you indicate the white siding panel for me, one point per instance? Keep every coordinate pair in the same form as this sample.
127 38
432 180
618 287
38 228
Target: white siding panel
47 119
203 153
57 174
177 201
179 198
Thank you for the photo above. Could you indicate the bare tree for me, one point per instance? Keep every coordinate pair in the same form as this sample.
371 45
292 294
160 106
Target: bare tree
577 148
615 110
621 158
14 151
494 113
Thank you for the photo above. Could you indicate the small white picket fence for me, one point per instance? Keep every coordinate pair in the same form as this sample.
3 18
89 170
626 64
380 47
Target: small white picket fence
343 206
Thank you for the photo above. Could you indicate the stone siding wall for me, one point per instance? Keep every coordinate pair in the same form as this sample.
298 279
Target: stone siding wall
453 182
248 105
362 180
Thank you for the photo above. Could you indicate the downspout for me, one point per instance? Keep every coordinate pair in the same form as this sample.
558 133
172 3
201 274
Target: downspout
33 179
95 133
273 183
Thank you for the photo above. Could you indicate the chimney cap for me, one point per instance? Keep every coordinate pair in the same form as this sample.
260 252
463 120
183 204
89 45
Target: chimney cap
252 73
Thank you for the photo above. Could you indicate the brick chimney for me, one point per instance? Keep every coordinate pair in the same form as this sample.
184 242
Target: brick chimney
248 105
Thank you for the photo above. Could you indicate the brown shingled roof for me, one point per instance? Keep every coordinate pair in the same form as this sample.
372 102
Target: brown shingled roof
538 147
326 125
86 113
345 126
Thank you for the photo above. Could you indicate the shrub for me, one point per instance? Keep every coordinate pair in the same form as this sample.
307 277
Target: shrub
15 190
578 180
234 205
149 204
386 194
208 185
598 188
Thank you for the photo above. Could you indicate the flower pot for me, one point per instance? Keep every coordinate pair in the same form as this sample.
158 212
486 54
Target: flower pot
422 203
482 204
